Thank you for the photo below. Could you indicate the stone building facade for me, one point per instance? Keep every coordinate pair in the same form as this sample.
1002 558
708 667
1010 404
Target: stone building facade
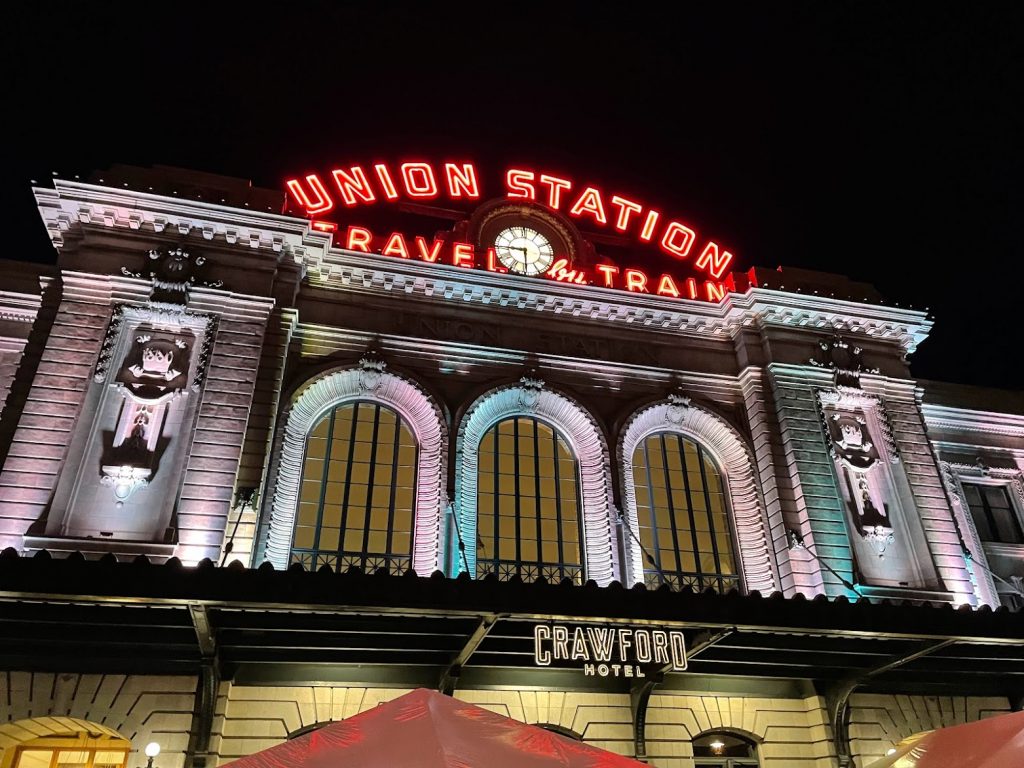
163 385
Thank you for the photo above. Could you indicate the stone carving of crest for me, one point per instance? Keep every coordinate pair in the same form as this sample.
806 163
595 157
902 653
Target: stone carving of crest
154 371
850 441
371 372
156 366
678 405
530 387
843 358
172 273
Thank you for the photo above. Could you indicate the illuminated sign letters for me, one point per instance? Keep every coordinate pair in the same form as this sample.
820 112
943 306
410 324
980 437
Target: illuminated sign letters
459 182
609 651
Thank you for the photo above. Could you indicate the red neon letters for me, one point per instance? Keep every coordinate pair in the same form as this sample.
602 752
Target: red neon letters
458 181
464 255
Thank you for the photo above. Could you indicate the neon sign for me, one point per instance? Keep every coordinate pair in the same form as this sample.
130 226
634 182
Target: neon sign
458 254
609 651
459 182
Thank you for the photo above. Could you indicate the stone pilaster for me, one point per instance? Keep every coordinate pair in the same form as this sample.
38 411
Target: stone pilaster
258 443
903 406
809 476
206 491
43 436
770 462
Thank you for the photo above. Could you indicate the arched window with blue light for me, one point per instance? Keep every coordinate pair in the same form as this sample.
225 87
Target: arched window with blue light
528 503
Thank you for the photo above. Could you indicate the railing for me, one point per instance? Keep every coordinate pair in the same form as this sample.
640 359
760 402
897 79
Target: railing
697 581
552 572
312 560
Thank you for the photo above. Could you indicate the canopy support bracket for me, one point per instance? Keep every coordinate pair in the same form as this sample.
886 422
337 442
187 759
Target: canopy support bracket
197 753
641 689
837 698
450 676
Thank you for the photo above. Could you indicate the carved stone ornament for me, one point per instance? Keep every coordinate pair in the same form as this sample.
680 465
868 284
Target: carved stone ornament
530 387
872 519
844 358
371 372
156 367
125 479
847 415
851 443
678 403
172 273
153 372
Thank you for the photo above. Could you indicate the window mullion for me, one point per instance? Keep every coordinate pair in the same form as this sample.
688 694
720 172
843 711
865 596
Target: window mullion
348 481
669 500
515 484
711 520
324 475
397 438
537 500
689 509
368 507
556 457
652 516
495 458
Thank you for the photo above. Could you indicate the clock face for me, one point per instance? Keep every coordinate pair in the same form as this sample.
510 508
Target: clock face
523 250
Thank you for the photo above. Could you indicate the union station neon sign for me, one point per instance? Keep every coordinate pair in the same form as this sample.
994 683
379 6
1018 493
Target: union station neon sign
322 195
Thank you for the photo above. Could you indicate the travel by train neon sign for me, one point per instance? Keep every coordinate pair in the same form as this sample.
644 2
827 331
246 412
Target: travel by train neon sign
325 195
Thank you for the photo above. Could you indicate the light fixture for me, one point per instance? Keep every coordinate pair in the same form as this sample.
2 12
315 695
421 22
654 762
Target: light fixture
717 746
152 750
892 751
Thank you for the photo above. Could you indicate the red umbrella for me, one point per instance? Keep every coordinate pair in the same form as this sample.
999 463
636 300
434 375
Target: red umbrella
425 729
995 742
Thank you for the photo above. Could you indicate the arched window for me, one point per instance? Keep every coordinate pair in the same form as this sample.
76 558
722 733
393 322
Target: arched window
61 742
358 491
719 748
528 503
682 515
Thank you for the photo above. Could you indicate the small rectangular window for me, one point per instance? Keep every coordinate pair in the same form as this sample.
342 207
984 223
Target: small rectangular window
994 515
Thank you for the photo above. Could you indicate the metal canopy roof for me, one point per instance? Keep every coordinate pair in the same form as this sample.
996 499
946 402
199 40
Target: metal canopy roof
64 615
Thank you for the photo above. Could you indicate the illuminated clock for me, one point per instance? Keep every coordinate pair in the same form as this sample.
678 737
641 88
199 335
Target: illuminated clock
524 250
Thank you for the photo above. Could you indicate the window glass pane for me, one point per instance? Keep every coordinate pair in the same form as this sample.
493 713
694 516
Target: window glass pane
366 491
1008 530
723 745
35 758
682 514
72 757
532 530
995 516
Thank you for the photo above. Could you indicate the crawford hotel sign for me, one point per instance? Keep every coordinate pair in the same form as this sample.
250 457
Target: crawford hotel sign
530 227
608 651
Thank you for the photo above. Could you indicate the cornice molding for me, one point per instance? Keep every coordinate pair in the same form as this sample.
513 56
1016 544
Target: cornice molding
71 203
19 307
757 308
967 420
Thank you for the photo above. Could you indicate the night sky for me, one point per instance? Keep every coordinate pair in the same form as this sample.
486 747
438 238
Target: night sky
880 141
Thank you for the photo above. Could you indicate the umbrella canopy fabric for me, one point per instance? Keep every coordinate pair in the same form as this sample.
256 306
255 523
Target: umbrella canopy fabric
426 729
995 742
